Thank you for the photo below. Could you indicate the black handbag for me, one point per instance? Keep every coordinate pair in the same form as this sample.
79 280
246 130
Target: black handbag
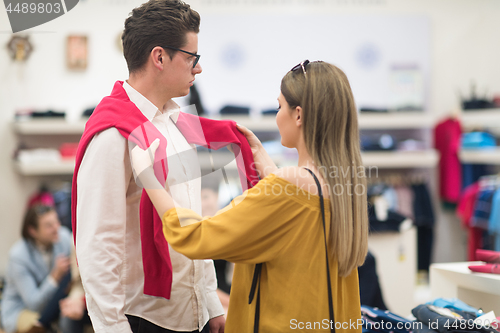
258 269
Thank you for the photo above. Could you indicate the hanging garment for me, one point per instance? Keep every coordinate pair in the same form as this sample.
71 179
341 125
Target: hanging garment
62 202
405 201
392 222
42 197
494 221
370 293
465 210
447 140
472 172
424 220
482 208
118 111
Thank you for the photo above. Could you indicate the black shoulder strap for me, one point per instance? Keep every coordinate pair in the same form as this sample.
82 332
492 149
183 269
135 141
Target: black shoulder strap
330 300
255 280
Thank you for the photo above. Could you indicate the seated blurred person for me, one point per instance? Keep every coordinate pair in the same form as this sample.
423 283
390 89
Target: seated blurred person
39 278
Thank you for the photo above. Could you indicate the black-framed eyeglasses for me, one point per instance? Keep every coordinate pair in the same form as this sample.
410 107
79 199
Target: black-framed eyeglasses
302 65
197 56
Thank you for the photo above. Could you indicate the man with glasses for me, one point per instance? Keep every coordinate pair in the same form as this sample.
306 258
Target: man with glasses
126 289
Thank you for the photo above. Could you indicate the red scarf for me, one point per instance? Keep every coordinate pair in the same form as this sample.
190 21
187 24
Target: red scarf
118 111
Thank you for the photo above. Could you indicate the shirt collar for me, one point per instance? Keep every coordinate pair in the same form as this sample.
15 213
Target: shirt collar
148 109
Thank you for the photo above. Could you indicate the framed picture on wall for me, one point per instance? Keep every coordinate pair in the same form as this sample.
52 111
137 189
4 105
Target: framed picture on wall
76 52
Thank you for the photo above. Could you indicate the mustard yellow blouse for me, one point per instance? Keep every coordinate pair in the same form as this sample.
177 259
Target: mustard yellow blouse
280 225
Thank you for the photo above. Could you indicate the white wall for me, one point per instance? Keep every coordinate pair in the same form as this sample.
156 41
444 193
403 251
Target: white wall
464 46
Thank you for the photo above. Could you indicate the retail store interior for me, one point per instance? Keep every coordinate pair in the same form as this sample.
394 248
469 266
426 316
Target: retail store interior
425 76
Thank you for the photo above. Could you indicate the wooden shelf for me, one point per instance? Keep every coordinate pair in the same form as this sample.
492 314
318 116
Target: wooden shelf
384 160
480 156
60 126
48 127
64 167
262 123
489 118
395 120
403 120
401 159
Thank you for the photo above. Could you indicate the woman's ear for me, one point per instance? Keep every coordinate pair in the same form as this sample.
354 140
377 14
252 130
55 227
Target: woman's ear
298 116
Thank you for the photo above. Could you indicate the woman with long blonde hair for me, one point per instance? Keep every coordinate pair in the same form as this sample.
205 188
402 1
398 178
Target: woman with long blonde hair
298 236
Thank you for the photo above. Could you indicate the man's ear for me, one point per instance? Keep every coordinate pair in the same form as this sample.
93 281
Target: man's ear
33 232
157 57
298 116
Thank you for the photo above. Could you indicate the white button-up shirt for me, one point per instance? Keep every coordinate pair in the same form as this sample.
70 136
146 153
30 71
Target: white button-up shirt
108 234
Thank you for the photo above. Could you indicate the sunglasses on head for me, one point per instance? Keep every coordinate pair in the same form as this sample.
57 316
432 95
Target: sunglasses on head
302 65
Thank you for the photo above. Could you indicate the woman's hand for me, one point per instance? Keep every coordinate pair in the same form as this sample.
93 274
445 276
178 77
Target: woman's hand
264 164
252 139
142 163
143 159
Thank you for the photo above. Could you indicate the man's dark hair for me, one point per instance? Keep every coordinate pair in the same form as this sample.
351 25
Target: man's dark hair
157 23
31 219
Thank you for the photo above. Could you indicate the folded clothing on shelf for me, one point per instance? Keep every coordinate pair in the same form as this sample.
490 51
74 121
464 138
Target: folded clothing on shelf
378 142
477 140
486 268
374 109
444 320
455 304
27 114
232 109
376 320
48 114
492 257
88 112
269 112
411 145
68 150
27 156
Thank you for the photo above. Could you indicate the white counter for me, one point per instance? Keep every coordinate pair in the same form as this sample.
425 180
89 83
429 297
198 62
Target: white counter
455 280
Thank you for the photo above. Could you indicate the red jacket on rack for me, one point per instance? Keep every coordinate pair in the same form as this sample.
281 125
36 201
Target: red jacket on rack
447 140
118 111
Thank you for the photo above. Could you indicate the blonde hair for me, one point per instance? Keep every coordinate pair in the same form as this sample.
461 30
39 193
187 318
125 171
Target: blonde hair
331 136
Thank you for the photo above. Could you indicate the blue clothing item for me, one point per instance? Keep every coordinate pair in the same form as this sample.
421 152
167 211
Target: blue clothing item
62 201
477 140
430 314
482 208
27 284
472 172
456 304
494 221
51 310
392 198
373 318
